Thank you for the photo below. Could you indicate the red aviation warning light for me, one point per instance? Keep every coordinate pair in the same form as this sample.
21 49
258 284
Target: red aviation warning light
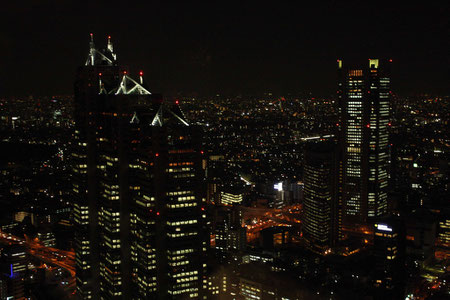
177 102
141 78
100 74
156 154
368 125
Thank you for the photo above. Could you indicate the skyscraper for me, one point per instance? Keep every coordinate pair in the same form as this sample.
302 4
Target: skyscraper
137 181
321 196
364 94
389 257
14 268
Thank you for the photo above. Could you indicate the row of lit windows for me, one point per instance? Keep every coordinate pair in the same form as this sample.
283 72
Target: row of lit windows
179 193
181 164
181 222
181 234
178 170
181 205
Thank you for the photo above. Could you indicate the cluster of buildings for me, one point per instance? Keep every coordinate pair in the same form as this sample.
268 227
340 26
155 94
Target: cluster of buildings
227 198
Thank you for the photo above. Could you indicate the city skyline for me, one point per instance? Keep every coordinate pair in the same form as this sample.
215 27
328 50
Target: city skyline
218 151
234 49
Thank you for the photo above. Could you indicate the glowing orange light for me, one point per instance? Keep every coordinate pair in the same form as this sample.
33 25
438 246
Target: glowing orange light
109 37
157 154
125 72
99 74
390 60
337 124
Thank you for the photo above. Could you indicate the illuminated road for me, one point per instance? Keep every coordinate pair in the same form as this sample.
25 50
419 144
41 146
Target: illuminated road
48 255
261 218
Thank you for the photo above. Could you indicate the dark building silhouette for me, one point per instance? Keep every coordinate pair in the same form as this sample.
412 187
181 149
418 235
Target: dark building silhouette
14 268
321 177
138 188
364 99
389 256
275 237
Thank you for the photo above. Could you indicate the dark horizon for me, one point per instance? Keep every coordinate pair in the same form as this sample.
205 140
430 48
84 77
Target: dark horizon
238 49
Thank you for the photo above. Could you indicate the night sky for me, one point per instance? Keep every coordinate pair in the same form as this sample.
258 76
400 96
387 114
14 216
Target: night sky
214 47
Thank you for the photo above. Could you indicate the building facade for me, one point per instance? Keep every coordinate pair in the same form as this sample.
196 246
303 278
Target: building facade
389 257
322 201
137 176
364 103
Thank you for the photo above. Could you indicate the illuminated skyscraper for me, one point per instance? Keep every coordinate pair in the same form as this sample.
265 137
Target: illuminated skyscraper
364 94
168 237
137 182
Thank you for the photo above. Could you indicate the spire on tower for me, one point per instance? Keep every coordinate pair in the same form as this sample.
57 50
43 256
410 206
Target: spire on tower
92 50
110 45
111 48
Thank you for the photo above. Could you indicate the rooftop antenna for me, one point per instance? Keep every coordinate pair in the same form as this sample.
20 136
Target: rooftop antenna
111 48
110 45
141 77
92 49
101 88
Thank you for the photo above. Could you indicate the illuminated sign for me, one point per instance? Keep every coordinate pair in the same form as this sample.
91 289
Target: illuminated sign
384 227
278 186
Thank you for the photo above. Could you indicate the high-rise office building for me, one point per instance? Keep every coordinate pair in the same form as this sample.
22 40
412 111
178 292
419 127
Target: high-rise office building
14 268
321 196
364 94
230 236
138 188
389 256
231 196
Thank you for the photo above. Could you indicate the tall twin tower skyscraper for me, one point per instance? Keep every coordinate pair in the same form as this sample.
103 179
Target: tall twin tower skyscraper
137 174
364 99
346 183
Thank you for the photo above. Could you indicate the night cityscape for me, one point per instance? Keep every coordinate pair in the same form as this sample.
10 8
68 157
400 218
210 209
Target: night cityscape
242 151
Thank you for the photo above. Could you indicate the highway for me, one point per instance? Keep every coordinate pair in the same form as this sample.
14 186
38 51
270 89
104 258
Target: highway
50 256
261 218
